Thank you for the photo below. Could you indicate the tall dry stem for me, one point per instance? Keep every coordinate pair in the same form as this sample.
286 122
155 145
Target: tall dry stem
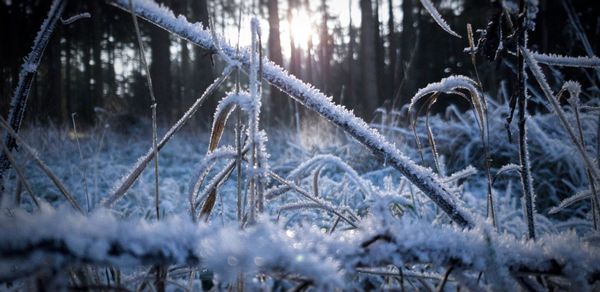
29 68
152 106
43 166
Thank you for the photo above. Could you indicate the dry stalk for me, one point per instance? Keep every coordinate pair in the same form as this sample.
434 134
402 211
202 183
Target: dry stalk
143 161
57 182
152 106
22 178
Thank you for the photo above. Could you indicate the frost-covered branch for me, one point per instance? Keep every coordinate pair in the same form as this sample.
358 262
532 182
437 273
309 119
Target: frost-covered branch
30 65
566 61
584 195
255 165
59 239
75 18
153 106
541 79
438 18
313 99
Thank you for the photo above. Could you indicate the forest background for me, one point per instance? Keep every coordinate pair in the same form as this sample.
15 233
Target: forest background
365 53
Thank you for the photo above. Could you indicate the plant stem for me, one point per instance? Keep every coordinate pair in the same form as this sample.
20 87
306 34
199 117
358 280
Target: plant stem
57 182
29 68
143 161
152 106
525 173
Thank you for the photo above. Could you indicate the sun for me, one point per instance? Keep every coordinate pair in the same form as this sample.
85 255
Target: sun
301 28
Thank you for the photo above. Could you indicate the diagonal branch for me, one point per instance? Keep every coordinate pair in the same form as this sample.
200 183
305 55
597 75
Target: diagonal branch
123 185
18 102
311 98
55 239
57 182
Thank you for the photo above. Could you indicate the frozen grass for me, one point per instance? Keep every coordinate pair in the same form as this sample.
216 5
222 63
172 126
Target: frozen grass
341 187
558 175
298 254
315 210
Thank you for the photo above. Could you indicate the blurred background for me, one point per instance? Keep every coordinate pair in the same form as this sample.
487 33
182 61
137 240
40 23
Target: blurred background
367 54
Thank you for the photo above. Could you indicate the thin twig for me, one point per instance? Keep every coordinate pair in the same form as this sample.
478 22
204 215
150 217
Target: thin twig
83 165
440 287
491 210
152 106
29 68
143 161
574 100
20 174
57 182
306 195
526 179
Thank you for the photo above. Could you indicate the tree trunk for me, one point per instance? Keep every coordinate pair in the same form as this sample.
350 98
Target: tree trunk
368 58
86 109
391 78
294 66
351 96
202 70
310 71
326 51
52 100
276 100
65 106
379 56
98 72
407 49
275 54
184 76
181 68
160 69
110 77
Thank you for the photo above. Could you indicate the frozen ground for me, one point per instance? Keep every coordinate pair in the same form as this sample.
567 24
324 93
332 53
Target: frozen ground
91 165
388 212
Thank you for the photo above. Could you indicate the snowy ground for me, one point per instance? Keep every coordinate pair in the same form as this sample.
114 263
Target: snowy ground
391 214
93 164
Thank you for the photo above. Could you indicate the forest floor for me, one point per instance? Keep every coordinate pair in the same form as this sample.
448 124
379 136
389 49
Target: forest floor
92 162
341 175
